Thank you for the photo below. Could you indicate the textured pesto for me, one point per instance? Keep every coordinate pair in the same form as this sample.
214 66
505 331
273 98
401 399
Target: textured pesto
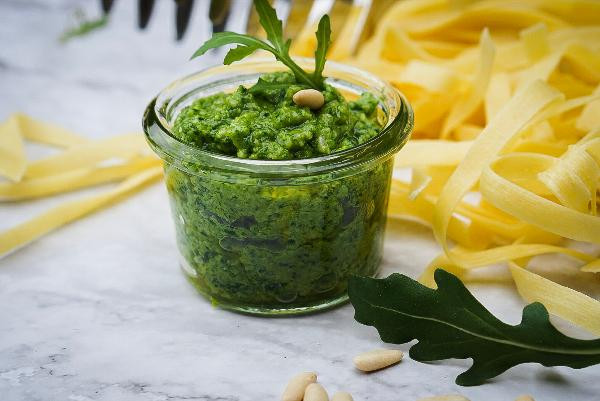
266 124
279 246
286 244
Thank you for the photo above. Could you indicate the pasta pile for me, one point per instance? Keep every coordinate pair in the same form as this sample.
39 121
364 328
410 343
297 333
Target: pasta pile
81 163
506 98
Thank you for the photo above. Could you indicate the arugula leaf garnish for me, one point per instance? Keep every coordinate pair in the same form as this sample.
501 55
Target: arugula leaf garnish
238 53
450 323
272 25
323 41
275 44
261 86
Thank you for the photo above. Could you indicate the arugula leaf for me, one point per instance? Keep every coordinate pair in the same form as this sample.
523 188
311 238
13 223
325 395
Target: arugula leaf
225 38
271 24
261 86
238 53
277 46
323 41
450 323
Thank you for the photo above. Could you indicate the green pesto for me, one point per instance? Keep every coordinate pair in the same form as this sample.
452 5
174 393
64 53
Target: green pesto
266 124
290 244
285 246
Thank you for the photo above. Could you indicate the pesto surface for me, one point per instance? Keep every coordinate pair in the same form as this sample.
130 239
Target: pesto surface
289 244
265 123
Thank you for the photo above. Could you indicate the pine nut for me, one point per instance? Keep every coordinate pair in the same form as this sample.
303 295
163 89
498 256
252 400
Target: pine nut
342 396
315 392
309 97
524 397
294 391
377 359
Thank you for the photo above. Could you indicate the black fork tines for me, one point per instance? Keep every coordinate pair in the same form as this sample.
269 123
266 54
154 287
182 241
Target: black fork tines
144 12
182 17
218 13
183 12
106 5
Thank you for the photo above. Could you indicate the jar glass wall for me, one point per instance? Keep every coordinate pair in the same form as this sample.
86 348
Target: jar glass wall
277 236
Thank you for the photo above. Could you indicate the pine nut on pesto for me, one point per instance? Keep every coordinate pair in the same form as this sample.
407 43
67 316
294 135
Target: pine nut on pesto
275 205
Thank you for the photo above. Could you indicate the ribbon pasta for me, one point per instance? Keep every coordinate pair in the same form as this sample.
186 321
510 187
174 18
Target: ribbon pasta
506 104
82 163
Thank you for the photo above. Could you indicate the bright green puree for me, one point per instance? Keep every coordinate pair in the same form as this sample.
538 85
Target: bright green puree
267 124
245 241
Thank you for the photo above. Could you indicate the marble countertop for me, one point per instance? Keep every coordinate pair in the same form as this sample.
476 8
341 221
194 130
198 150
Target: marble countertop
98 310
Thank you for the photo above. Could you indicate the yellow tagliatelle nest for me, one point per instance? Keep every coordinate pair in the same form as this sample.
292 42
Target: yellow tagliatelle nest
78 165
506 97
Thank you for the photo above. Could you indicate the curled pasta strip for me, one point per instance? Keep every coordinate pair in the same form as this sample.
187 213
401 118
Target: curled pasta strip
575 177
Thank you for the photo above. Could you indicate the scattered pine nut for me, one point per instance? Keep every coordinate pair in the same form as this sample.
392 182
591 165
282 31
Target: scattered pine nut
294 391
315 392
377 359
342 396
309 97
524 397
452 397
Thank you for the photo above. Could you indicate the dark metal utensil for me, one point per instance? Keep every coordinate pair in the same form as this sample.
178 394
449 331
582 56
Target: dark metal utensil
183 12
106 5
218 13
144 12
238 16
182 16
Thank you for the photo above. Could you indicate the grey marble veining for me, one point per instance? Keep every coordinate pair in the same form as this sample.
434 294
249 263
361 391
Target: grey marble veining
98 310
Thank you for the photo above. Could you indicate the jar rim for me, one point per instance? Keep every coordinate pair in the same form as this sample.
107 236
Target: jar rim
386 143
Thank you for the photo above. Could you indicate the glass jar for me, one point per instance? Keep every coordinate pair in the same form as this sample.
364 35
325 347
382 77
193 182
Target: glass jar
276 237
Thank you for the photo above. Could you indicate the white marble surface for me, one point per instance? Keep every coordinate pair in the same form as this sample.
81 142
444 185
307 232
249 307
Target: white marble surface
99 311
